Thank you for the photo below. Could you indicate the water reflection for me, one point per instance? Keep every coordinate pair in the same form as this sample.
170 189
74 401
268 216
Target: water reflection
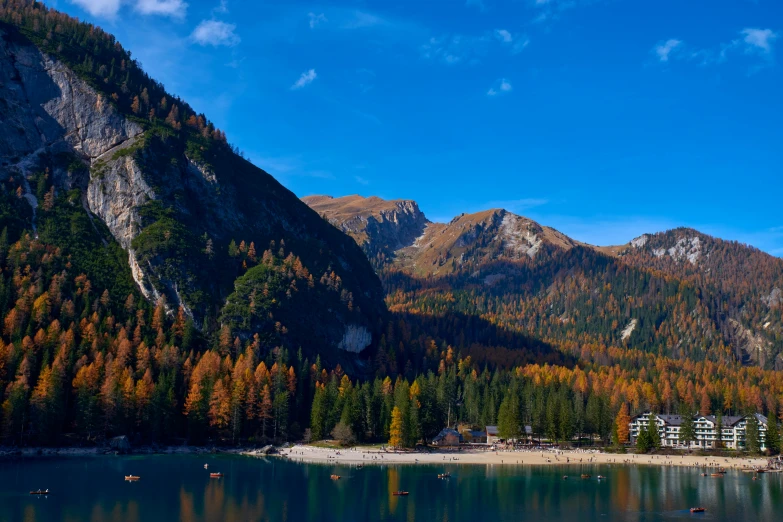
178 488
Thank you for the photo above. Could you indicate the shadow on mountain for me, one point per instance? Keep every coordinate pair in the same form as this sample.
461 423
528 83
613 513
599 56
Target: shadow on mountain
487 344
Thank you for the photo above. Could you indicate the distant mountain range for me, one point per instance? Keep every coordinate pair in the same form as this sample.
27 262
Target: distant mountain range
679 292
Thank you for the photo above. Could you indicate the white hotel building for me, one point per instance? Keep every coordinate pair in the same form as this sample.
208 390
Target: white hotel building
732 432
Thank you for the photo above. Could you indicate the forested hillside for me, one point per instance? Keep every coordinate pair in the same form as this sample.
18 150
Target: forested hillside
154 283
82 121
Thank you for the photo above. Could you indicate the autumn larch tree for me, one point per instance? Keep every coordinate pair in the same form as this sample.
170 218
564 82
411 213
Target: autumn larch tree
623 422
395 428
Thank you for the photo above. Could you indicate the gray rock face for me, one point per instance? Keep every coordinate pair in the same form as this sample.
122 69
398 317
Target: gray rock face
115 192
48 106
51 110
355 339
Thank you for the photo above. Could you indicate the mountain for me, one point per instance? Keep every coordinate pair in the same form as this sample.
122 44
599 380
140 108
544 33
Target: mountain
680 293
400 232
89 137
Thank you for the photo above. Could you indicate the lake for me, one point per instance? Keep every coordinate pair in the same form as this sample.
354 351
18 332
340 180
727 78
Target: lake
178 488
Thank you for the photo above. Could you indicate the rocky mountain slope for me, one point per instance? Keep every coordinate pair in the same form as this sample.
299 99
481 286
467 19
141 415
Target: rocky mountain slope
82 125
679 292
380 227
406 238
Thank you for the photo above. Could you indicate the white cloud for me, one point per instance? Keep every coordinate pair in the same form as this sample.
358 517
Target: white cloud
476 3
503 35
501 86
664 49
222 7
362 19
759 40
103 8
519 45
316 19
172 8
215 33
459 48
751 42
361 180
306 78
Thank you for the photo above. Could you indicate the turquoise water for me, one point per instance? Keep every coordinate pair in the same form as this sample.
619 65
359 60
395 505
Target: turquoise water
177 488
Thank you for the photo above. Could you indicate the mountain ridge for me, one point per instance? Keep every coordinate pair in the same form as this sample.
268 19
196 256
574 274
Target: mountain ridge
734 290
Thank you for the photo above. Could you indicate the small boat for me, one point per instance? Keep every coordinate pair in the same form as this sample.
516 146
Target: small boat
720 475
132 478
698 510
444 475
360 466
215 475
335 477
400 493
565 477
586 476
40 492
601 477
206 466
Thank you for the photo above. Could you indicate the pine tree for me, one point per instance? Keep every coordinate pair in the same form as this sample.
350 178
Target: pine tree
687 429
772 437
719 430
655 436
752 439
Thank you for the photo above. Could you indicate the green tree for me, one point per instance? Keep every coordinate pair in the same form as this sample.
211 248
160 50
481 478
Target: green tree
772 437
655 436
687 429
509 423
752 439
719 430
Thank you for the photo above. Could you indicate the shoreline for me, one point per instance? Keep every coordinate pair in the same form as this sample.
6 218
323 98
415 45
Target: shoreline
44 452
373 455
367 455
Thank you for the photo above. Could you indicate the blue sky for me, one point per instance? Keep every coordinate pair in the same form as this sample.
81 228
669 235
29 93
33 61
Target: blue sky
602 118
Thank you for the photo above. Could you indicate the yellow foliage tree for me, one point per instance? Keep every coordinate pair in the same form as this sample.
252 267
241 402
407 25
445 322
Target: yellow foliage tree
623 422
395 430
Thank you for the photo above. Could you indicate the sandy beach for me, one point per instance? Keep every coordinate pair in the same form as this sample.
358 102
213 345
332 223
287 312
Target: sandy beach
372 455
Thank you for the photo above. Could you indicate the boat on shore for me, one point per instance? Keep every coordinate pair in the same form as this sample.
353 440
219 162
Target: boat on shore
40 492
400 493
215 475
698 510
132 478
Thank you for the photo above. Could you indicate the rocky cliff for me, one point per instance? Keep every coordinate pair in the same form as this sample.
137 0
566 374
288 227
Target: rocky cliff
379 226
173 199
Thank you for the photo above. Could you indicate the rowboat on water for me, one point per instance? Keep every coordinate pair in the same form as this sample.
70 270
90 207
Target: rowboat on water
698 510
718 475
335 477
601 477
206 466
215 475
132 478
586 476
400 493
444 475
40 492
